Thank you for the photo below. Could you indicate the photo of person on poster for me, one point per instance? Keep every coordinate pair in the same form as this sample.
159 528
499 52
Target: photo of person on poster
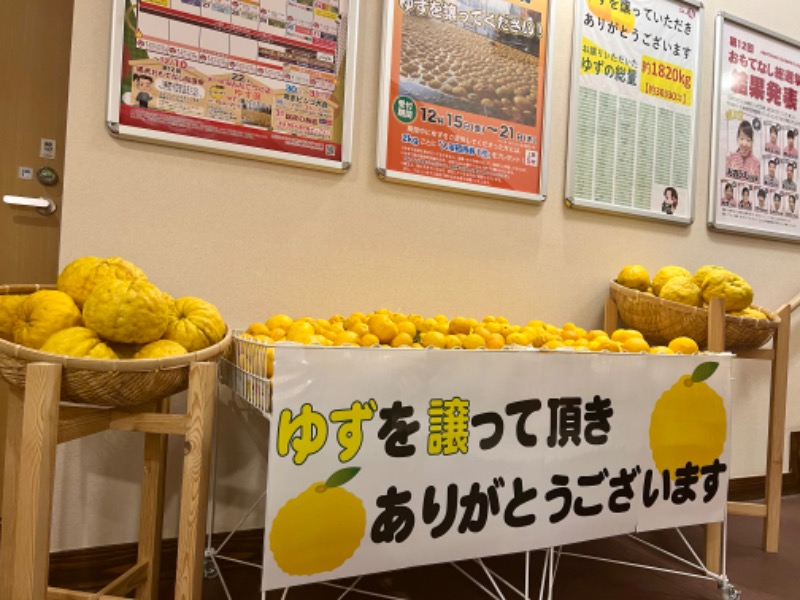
789 183
772 145
742 164
770 178
745 202
727 195
790 149
761 202
776 204
791 207
670 203
144 84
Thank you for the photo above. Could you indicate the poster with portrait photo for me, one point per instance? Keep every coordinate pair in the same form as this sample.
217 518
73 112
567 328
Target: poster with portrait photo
755 130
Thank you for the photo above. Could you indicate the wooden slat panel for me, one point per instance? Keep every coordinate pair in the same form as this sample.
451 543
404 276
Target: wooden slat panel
151 512
150 423
31 555
194 491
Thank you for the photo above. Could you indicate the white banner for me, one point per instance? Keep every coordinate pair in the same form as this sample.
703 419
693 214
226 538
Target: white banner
382 459
634 108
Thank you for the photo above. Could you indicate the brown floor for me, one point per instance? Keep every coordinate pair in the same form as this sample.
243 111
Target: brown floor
758 575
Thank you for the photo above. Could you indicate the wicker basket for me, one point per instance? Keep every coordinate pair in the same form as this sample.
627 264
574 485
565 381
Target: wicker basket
105 382
662 320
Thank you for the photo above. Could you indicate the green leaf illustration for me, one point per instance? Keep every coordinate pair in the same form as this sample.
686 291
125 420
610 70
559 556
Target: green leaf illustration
704 371
341 477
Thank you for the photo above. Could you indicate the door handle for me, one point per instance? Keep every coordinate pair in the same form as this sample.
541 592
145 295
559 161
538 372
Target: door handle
45 206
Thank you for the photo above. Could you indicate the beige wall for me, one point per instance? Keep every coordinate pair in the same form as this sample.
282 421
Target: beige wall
258 239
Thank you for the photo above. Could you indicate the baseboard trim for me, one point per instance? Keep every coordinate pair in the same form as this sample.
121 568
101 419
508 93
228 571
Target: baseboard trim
91 568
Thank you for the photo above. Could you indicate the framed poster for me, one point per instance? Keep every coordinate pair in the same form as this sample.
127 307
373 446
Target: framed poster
633 107
262 79
753 187
463 97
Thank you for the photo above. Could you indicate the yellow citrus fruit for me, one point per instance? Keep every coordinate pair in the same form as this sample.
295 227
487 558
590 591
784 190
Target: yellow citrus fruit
623 335
301 332
683 345
280 322
452 341
8 312
495 342
473 341
683 290
195 324
346 338
79 277
127 311
401 339
369 339
688 423
635 277
736 292
382 326
160 349
517 338
701 273
750 312
80 342
407 327
42 314
435 339
661 350
257 328
459 325
635 344
318 530
664 274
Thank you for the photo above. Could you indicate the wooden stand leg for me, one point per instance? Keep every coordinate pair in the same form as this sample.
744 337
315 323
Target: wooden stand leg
777 426
34 504
194 492
610 316
714 547
151 515
4 392
14 403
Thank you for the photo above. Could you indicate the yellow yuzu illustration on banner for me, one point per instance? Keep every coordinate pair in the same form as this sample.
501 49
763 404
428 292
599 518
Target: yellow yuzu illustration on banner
320 529
689 423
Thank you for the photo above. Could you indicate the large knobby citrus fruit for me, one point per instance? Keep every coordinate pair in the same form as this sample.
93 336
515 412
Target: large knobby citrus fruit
80 342
194 323
42 314
320 529
689 423
79 277
8 314
131 312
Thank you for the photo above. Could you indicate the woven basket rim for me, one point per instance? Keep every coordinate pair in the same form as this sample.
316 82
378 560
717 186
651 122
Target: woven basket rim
121 365
771 322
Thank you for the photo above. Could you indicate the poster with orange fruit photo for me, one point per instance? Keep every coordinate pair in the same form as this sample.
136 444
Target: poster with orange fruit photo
386 458
463 95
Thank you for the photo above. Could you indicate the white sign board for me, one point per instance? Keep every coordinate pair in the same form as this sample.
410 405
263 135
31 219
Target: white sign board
386 459
633 107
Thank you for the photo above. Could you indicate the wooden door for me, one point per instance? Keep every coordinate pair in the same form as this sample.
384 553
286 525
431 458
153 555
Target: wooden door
35 45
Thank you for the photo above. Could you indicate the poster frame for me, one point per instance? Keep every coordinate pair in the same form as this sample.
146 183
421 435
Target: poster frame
719 23
387 41
592 205
188 142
